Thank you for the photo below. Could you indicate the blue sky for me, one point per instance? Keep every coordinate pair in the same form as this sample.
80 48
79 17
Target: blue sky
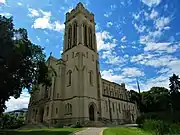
136 38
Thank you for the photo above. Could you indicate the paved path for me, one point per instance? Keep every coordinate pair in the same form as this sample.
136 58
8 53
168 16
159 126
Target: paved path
90 131
130 125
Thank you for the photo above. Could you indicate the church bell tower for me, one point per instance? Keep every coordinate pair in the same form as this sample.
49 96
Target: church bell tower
82 72
79 29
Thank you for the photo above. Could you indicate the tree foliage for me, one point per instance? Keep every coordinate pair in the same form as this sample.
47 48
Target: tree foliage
155 100
10 121
174 91
22 63
159 102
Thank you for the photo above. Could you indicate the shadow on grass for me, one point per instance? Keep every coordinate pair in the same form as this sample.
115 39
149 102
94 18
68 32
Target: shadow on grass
35 133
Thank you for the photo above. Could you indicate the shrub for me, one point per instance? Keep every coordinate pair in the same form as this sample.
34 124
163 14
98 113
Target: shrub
140 120
59 125
160 127
174 128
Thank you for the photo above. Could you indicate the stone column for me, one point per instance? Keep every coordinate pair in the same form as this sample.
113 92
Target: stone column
80 34
50 116
72 40
52 89
87 34
65 39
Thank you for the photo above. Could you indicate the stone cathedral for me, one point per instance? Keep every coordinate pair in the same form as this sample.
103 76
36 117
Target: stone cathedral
78 93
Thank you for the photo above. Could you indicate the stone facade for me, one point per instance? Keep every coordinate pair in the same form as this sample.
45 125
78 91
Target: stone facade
78 93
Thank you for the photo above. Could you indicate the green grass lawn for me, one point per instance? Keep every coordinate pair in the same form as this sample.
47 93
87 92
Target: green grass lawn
125 131
49 131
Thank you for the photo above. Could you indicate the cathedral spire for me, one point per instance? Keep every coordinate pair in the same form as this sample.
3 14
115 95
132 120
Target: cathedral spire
138 85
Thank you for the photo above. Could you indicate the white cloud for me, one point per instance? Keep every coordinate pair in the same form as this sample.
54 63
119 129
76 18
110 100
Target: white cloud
106 43
163 70
108 14
136 16
6 14
117 78
33 12
126 56
61 50
58 26
38 38
141 57
132 72
19 3
152 36
160 81
97 26
2 1
21 102
151 3
166 28
174 66
102 43
157 60
112 58
113 7
109 24
109 75
122 3
167 63
153 14
161 47
139 28
43 22
155 34
45 13
146 15
123 46
123 39
160 23
47 40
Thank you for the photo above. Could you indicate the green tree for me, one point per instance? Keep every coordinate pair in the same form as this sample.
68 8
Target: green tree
156 99
174 92
136 97
22 63
10 121
174 83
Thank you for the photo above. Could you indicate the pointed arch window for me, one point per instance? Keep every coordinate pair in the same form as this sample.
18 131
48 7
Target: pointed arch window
106 105
119 108
85 34
113 107
69 73
90 38
69 36
47 111
74 33
68 108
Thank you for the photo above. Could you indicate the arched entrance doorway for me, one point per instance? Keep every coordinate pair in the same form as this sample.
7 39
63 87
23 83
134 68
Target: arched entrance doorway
91 112
41 114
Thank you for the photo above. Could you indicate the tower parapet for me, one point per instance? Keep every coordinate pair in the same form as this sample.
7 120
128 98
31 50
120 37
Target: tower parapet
79 9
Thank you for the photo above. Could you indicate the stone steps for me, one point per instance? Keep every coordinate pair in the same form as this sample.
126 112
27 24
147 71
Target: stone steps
94 124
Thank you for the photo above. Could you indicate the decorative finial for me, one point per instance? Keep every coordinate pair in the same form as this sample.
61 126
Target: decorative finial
79 5
50 54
